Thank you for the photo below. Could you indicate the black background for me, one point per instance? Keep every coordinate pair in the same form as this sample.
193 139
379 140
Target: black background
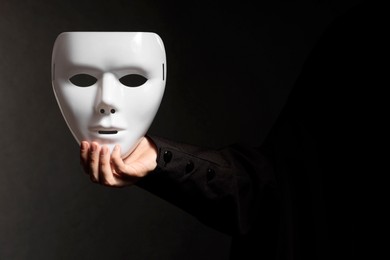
230 68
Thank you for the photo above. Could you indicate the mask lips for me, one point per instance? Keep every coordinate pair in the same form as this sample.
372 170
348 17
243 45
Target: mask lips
107 132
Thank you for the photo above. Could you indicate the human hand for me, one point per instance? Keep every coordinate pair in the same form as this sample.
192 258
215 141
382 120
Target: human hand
114 171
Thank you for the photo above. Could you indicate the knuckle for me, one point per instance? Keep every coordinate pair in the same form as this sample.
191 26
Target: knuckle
104 163
93 160
105 183
138 174
93 179
108 183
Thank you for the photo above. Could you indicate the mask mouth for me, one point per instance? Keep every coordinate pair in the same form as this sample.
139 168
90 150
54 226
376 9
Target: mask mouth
107 132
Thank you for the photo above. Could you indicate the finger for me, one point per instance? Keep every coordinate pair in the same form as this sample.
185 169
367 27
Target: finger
117 161
122 169
94 155
84 150
105 171
121 172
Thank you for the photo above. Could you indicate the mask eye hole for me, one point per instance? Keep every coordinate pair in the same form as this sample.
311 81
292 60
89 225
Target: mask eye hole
133 80
83 80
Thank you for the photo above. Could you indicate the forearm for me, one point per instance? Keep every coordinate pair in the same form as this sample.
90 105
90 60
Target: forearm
222 188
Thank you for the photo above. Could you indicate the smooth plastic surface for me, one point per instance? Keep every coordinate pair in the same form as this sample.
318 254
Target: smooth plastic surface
109 85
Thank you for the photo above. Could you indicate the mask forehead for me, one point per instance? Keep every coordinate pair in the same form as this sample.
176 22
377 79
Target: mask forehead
108 51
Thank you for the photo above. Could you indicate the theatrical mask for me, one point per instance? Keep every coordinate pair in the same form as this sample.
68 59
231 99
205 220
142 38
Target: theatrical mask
109 85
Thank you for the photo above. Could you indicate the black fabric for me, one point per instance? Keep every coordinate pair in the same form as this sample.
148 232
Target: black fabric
223 189
294 197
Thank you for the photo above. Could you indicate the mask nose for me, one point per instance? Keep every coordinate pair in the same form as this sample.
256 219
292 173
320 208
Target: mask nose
108 96
107 111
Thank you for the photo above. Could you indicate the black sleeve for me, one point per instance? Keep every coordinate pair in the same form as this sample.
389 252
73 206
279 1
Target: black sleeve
222 188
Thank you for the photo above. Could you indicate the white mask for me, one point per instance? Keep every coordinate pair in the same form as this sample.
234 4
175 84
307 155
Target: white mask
109 85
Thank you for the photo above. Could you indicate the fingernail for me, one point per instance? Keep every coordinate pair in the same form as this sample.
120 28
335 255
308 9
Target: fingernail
104 150
83 145
94 147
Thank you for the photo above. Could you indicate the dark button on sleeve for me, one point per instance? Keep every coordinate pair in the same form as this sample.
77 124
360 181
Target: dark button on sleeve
189 166
167 156
210 174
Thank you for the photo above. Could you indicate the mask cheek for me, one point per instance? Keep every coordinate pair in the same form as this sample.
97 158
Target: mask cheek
143 103
77 106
